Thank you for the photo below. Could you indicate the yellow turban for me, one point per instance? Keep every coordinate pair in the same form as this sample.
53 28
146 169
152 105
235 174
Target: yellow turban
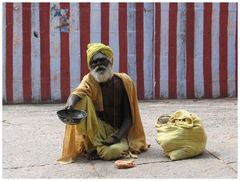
94 48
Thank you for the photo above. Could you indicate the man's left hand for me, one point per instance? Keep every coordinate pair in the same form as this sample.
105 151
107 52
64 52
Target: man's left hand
110 141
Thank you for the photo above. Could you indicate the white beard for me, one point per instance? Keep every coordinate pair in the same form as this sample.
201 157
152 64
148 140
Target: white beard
103 76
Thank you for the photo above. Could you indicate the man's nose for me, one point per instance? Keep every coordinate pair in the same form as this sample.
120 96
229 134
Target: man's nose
99 62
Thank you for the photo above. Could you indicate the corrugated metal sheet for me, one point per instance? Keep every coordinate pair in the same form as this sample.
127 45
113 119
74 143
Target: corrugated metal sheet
171 50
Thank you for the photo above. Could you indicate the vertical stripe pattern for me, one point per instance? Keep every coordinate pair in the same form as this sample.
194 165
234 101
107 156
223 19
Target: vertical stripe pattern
55 52
27 84
181 49
190 29
122 17
207 51
113 33
236 52
140 49
46 84
223 46
84 14
35 53
4 96
131 41
170 50
157 49
74 46
9 52
64 64
105 23
148 50
215 50
164 50
198 50
231 59
95 22
17 56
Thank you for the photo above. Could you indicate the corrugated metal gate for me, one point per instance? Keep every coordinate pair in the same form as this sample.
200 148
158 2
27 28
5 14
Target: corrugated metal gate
171 50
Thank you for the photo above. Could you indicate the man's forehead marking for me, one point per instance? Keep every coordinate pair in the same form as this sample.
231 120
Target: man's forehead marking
99 55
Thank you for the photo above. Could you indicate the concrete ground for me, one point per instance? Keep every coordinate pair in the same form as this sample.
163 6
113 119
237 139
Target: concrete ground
33 135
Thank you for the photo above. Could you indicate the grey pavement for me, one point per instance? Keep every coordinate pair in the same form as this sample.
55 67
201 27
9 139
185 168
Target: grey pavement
33 135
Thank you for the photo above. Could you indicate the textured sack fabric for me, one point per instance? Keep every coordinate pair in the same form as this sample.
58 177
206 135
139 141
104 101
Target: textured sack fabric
182 136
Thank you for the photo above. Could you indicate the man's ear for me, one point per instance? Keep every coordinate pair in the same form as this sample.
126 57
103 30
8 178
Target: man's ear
111 64
89 66
110 61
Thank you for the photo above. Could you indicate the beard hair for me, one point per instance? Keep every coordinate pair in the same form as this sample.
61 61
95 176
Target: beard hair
102 76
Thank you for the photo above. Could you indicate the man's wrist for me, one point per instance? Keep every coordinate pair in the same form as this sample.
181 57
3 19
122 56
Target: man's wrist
72 101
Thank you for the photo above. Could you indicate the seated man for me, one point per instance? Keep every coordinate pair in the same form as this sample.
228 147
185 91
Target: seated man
113 125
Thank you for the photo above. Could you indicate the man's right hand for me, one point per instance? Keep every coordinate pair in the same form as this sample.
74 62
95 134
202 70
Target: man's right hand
72 101
68 107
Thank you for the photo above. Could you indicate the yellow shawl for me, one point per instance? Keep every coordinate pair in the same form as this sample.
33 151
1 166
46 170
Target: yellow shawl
73 144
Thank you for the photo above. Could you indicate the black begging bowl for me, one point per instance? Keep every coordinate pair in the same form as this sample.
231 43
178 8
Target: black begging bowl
71 116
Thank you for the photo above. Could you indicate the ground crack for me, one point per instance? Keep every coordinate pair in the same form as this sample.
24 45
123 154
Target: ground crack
227 163
144 163
30 166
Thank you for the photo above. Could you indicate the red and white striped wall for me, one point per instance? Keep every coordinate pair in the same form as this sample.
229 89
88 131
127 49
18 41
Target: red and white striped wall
171 50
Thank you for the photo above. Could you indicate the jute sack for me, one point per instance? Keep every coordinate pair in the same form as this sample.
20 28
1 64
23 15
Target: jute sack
182 135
